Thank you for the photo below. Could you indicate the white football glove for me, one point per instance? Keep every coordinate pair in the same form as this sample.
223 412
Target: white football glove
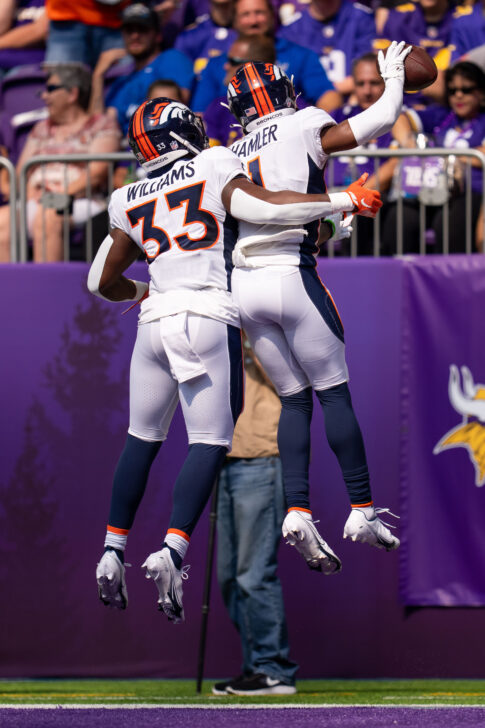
391 65
340 222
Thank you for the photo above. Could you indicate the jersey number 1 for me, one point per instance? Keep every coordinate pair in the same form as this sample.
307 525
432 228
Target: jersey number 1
254 171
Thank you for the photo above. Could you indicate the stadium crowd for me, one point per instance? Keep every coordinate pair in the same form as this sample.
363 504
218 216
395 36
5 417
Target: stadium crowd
195 46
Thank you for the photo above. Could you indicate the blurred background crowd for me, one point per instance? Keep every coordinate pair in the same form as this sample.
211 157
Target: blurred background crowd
73 71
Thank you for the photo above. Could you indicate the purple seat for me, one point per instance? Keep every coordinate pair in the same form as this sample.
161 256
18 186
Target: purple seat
20 89
15 129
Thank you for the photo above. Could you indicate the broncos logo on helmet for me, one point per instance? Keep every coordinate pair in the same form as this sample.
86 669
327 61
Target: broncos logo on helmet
259 90
162 130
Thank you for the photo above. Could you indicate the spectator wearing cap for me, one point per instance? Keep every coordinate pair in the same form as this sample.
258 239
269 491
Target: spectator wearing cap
80 30
142 38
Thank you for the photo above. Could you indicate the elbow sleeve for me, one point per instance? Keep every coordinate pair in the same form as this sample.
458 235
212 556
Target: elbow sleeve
253 209
381 116
97 267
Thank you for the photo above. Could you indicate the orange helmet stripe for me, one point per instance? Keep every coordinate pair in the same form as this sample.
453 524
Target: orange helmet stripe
256 91
137 131
253 93
152 152
263 89
146 146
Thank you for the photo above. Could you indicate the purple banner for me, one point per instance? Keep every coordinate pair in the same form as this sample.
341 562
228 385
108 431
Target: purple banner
64 395
443 431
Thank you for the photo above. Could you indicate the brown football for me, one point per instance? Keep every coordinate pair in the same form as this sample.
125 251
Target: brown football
419 69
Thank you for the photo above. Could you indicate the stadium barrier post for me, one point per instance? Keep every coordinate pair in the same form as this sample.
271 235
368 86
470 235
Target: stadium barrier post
207 585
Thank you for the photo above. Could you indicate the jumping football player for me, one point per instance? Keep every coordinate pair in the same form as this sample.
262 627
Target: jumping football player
188 344
286 311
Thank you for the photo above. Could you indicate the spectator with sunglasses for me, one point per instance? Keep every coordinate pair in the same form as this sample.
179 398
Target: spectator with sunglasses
219 122
459 125
58 189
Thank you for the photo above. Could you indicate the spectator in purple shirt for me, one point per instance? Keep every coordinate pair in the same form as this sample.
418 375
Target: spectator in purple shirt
209 36
176 15
460 125
426 23
369 86
336 30
23 32
467 28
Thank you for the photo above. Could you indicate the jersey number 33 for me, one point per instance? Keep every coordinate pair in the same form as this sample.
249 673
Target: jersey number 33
156 240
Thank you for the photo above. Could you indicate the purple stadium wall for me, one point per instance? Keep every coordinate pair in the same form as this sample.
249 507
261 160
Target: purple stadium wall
65 359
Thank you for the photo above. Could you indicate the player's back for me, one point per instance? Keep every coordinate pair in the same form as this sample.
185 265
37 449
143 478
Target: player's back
178 220
280 154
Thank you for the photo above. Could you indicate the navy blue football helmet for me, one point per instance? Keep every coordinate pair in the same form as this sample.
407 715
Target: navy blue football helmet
257 90
162 130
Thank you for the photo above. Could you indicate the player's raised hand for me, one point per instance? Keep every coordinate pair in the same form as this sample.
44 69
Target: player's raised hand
366 202
391 65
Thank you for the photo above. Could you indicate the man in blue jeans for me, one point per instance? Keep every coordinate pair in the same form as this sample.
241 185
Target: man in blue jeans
251 509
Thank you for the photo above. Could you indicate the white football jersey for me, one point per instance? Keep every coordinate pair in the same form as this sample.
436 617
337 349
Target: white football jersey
178 220
283 154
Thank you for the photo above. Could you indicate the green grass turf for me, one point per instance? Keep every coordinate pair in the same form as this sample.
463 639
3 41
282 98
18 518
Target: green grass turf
178 692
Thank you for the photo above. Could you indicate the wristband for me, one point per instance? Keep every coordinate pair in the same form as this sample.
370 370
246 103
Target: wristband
341 202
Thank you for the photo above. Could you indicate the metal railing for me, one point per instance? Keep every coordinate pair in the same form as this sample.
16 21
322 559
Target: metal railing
12 178
432 152
20 252
112 158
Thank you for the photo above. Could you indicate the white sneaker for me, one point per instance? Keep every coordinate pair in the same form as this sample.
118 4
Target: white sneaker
160 567
364 525
110 575
300 532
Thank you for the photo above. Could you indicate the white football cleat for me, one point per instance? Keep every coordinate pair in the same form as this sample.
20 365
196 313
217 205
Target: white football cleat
300 531
110 575
365 526
168 579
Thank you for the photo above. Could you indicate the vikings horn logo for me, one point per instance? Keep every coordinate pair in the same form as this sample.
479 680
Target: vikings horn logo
470 404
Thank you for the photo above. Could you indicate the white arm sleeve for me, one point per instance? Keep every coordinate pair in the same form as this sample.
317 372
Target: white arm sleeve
96 271
381 116
252 209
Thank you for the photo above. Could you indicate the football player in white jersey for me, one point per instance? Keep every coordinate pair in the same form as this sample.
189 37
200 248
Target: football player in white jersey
188 345
286 311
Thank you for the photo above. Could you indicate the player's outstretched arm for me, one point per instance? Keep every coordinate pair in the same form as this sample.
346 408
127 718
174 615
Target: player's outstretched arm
105 279
379 118
252 203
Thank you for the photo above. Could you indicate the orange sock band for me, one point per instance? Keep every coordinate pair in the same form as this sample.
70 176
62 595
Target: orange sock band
179 533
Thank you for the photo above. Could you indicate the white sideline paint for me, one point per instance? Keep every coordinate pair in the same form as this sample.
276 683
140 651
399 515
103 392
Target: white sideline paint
227 706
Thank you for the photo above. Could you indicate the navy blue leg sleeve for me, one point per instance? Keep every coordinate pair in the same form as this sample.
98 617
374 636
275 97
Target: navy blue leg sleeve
194 485
294 447
130 480
345 439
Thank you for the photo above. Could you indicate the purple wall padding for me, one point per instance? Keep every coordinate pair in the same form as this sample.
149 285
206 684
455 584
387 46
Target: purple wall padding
65 359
